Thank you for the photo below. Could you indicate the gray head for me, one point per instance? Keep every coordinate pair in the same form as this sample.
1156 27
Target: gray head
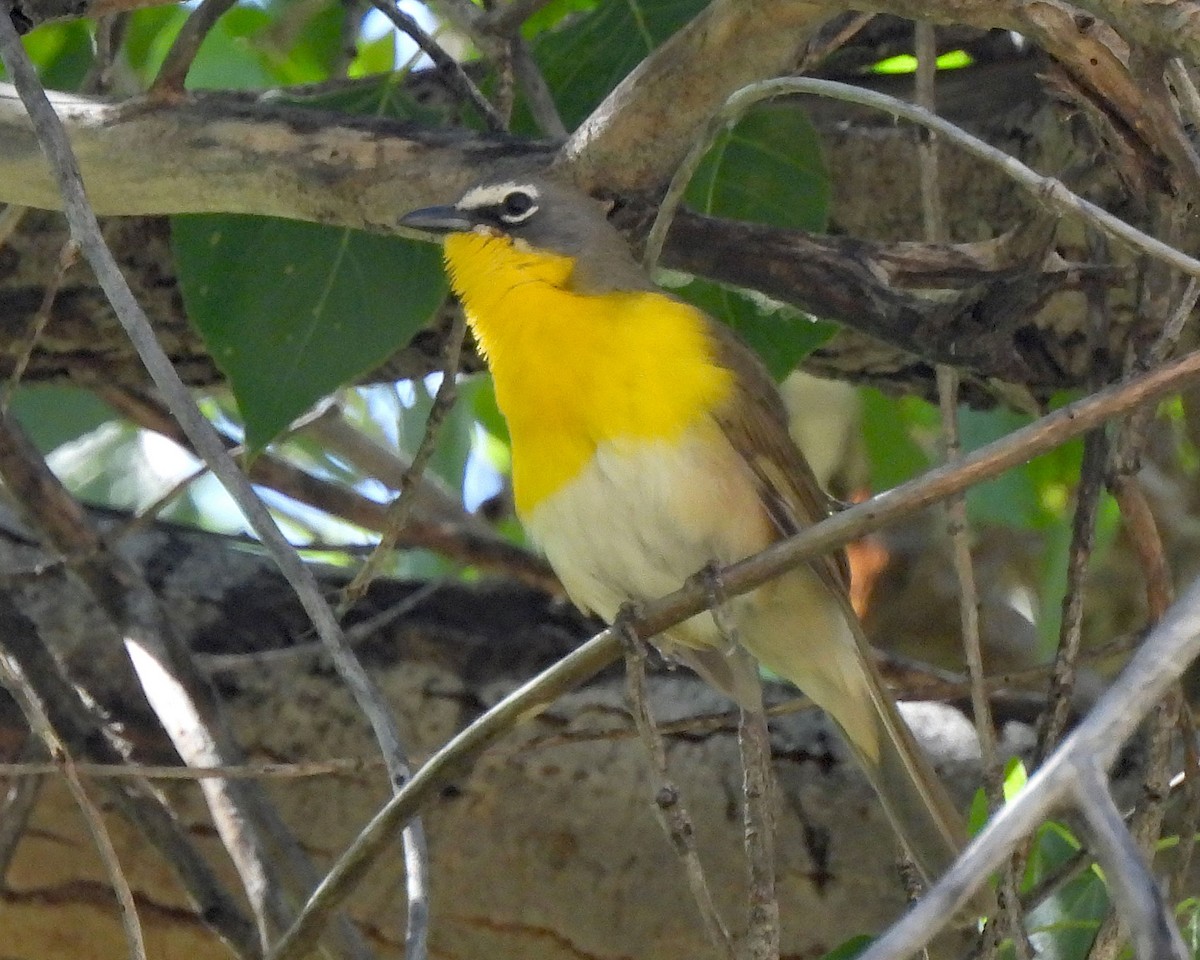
545 215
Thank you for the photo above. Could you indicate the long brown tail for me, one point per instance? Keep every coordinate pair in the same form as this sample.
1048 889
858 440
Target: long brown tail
803 631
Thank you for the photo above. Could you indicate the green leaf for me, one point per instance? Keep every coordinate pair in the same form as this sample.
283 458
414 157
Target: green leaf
374 56
780 335
768 169
590 54
890 428
978 813
54 415
553 14
454 438
383 95
314 53
850 949
1065 926
62 53
232 56
290 311
1015 778
479 394
148 37
1189 924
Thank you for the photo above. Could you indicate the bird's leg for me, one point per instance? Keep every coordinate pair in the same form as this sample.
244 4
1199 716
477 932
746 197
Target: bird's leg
709 576
668 803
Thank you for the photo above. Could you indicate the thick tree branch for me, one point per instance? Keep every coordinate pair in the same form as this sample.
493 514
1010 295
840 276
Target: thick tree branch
634 139
245 154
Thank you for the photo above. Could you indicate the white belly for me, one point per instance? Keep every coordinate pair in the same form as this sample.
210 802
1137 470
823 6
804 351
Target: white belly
644 516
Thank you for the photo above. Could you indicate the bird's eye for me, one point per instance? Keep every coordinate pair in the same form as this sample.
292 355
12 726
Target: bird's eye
517 206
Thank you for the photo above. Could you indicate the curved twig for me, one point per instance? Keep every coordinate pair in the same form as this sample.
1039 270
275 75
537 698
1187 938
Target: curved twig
1047 190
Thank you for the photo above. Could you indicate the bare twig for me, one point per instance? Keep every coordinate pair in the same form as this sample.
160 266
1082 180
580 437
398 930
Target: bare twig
174 70
668 803
86 230
1172 330
363 630
537 92
402 506
442 60
1048 191
1146 825
761 939
818 52
933 210
32 770
522 704
351 28
186 705
1190 821
25 694
1185 91
497 34
108 856
508 17
18 802
67 258
471 546
1133 888
933 215
433 498
85 733
1083 532
1142 531
754 741
534 697
110 34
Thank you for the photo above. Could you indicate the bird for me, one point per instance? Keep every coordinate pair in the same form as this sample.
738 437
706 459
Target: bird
649 443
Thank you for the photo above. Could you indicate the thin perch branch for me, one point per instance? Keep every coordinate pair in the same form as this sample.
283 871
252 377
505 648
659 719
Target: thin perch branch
173 73
668 803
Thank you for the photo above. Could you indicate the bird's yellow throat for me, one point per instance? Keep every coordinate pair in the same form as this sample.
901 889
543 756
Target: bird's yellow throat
572 370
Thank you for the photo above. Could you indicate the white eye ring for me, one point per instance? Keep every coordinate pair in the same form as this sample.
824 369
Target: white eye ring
517 207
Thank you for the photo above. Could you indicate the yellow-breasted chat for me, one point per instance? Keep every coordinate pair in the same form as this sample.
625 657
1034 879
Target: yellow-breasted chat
649 443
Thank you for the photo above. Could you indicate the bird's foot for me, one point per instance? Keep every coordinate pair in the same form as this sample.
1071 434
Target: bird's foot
718 602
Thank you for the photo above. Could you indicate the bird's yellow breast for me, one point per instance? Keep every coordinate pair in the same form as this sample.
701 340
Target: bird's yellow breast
573 370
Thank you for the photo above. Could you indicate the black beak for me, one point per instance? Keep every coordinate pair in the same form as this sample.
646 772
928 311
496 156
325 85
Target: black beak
437 220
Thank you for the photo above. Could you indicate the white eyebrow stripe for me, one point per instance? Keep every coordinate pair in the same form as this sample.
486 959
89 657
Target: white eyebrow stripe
491 194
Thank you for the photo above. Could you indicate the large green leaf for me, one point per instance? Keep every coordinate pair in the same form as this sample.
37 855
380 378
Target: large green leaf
893 428
780 335
768 169
290 311
62 53
53 415
591 52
